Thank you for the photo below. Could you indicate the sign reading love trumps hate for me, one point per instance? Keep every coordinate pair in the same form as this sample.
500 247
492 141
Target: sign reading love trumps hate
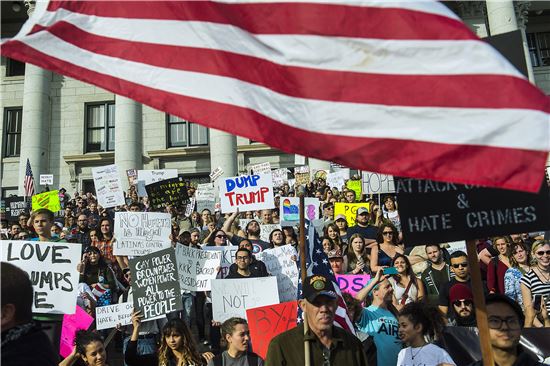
52 270
247 193
141 233
155 283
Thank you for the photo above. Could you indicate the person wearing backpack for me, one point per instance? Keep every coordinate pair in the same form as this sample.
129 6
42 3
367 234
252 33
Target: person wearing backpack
235 334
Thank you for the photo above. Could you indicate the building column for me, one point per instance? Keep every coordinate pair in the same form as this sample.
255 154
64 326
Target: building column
128 136
502 19
223 152
35 127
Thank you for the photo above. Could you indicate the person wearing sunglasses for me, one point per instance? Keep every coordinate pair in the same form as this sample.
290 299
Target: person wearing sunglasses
461 312
536 282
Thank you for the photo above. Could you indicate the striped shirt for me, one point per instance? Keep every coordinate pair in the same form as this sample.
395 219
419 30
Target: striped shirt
538 287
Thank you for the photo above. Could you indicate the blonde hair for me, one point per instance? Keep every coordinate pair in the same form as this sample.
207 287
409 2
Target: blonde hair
536 245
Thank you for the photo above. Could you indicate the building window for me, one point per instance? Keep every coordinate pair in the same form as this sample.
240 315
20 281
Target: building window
539 48
13 118
182 133
14 67
100 127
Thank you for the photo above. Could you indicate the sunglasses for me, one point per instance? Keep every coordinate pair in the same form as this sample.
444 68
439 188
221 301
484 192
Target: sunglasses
387 233
543 252
460 265
460 303
221 236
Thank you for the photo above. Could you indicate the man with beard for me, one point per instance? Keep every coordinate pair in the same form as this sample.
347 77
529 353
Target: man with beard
462 311
362 225
82 235
252 233
436 275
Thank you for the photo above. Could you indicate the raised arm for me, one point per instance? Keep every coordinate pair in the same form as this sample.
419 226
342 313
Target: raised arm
227 224
363 293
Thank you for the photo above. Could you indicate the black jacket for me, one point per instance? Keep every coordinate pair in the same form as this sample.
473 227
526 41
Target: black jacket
30 349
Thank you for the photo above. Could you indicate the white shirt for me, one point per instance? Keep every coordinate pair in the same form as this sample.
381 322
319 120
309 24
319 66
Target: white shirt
427 355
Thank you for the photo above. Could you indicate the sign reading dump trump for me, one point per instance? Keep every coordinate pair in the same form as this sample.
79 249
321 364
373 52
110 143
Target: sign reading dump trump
155 283
234 296
52 270
197 267
247 193
141 233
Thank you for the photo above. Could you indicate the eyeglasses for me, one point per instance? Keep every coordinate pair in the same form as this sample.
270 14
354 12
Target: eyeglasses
543 252
512 322
221 236
465 265
387 233
239 258
461 303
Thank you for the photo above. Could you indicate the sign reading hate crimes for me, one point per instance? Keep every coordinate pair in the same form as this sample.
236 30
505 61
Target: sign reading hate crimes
169 192
141 233
108 186
437 212
247 193
155 283
197 267
52 270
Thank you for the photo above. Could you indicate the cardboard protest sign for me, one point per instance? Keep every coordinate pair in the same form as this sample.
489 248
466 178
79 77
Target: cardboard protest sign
141 233
338 179
289 210
247 193
352 284
196 267
108 186
52 269
15 206
356 186
349 210
155 283
216 173
71 324
436 212
46 179
145 177
319 174
301 175
227 257
279 263
377 183
266 322
109 316
262 168
279 177
190 207
206 192
49 200
232 297
132 175
168 192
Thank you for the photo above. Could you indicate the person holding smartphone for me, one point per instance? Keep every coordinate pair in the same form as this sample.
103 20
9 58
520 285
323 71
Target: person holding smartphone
537 282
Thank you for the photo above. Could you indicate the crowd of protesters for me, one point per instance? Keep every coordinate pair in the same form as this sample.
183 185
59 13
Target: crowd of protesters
399 316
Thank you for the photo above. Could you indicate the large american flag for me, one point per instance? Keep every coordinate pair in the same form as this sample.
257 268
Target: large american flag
28 182
402 88
317 263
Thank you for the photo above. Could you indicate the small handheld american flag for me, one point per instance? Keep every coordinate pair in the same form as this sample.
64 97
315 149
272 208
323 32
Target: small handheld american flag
28 183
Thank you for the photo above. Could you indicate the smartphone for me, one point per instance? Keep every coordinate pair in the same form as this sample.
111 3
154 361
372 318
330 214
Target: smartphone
390 271
537 302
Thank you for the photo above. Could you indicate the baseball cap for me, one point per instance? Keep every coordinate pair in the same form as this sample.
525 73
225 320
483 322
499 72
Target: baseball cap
340 217
362 210
334 253
317 285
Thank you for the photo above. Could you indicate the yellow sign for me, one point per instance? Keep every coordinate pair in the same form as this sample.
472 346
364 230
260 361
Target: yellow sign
349 210
356 186
49 200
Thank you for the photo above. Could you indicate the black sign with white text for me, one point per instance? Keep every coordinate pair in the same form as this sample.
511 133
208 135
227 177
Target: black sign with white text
438 212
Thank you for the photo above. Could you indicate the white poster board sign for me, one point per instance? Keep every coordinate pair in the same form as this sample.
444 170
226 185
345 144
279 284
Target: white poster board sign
141 233
196 267
108 187
52 268
338 179
377 183
279 177
247 193
231 298
227 257
111 315
289 210
279 263
205 192
262 168
146 177
46 179
216 173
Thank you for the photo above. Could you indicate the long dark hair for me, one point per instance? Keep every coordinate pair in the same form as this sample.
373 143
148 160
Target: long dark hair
409 271
82 339
100 235
428 316
212 237
189 349
380 236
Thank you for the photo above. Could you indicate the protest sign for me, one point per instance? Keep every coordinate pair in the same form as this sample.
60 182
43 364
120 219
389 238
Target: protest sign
455 246
216 173
231 297
52 270
155 283
49 200
301 175
205 192
352 284
168 192
262 168
190 207
377 183
355 185
246 193
437 212
227 257
319 174
71 324
109 316
349 210
46 179
145 177
141 233
279 263
196 267
279 177
338 179
15 206
206 205
289 210
108 186
266 322
132 175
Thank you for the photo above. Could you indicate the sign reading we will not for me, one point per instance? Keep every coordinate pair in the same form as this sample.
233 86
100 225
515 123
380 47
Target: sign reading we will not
141 233
247 193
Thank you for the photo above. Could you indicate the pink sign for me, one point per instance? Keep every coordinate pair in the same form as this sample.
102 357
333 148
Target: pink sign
352 284
71 323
